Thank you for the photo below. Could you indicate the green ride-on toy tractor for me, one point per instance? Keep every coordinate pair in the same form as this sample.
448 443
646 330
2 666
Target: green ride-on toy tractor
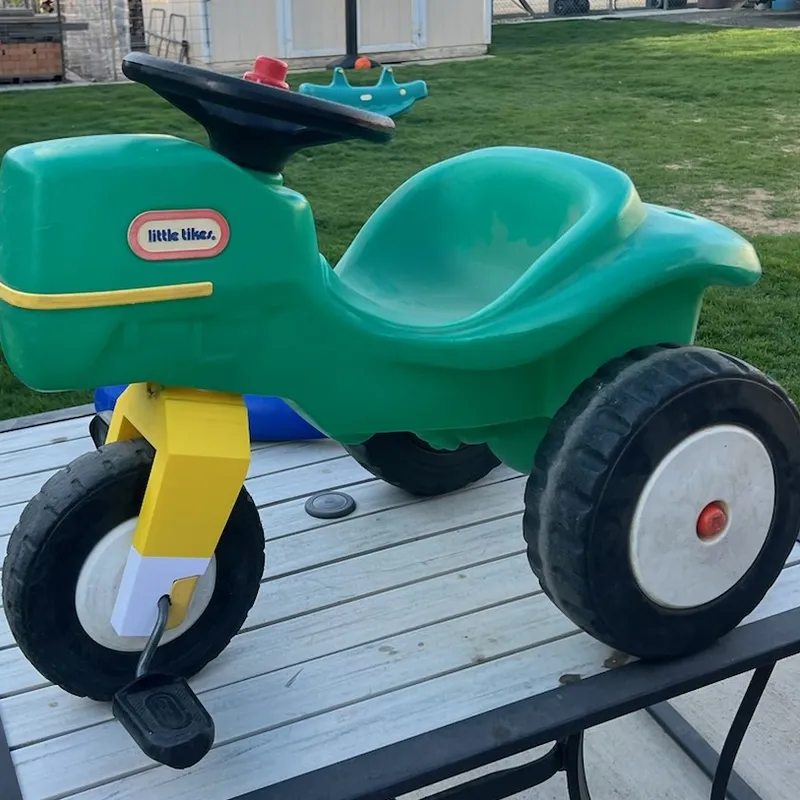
510 305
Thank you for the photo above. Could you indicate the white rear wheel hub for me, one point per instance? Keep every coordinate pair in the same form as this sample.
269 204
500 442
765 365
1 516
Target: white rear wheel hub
98 586
702 517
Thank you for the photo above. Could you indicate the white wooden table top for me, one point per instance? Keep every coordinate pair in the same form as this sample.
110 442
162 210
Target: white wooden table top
402 618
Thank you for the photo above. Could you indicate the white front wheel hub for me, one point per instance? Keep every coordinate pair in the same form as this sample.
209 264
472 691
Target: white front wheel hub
703 517
99 584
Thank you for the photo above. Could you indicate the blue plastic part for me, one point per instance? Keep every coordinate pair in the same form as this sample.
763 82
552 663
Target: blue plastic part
387 96
271 420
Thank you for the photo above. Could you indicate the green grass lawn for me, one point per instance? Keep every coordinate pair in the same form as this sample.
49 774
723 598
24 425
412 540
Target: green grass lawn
704 118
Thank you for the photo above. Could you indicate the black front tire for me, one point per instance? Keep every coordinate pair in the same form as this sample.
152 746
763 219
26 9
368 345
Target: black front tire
405 461
593 465
56 533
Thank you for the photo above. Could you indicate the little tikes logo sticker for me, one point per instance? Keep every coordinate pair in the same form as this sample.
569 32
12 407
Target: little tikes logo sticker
175 235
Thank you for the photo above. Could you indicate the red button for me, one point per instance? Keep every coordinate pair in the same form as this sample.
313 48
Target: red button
712 521
270 72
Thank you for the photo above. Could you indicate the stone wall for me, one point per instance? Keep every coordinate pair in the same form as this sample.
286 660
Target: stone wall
96 54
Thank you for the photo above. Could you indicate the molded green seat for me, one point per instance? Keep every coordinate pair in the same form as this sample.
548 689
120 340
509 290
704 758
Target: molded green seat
462 233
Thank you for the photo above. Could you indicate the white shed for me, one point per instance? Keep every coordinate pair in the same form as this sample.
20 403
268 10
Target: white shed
229 34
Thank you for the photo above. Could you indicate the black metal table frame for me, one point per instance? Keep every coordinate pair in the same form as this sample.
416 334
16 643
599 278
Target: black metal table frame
561 716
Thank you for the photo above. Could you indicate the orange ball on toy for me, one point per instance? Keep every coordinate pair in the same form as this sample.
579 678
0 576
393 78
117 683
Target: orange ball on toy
363 63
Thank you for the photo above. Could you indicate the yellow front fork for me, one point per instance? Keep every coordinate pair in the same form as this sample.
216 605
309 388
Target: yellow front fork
202 455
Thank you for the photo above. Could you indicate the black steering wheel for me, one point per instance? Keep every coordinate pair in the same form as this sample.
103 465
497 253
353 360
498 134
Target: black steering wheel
256 126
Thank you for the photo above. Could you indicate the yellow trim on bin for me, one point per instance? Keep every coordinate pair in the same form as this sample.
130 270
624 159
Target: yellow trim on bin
105 299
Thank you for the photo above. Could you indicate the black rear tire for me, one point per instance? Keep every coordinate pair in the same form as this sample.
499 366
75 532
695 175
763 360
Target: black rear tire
58 530
98 428
594 465
407 462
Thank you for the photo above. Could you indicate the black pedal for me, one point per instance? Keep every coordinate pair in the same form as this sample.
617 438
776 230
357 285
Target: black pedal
166 720
98 428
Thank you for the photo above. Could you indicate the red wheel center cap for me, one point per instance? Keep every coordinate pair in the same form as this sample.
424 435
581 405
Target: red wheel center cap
713 519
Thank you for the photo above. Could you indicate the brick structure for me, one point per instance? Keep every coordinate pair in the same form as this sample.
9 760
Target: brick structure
30 60
30 46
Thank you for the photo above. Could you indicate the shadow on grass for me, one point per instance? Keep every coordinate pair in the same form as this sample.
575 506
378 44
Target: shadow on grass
586 33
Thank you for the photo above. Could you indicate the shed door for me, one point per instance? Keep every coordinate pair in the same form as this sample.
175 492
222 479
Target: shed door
386 25
311 28
241 30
